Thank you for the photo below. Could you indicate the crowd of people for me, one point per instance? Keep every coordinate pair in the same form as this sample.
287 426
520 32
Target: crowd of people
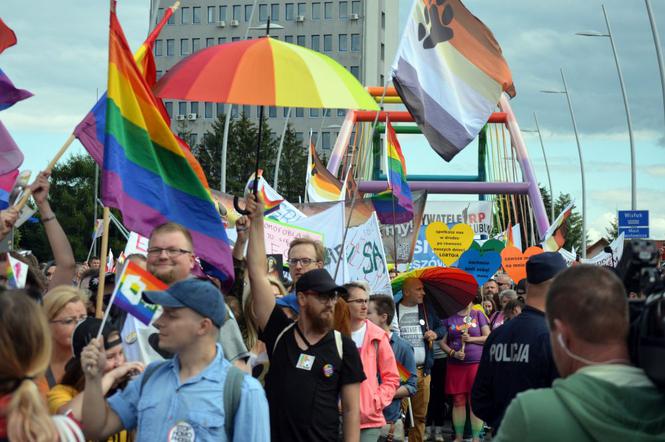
309 359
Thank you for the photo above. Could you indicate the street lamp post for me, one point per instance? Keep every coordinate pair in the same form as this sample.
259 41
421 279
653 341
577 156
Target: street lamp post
659 52
547 167
579 152
279 151
633 173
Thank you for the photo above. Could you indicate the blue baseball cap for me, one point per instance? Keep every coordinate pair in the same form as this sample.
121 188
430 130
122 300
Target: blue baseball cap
289 301
196 294
544 266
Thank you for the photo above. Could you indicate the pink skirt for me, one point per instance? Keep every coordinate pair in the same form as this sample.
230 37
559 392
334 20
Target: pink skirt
460 377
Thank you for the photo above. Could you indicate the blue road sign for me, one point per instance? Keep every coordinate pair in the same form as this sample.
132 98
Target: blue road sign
634 223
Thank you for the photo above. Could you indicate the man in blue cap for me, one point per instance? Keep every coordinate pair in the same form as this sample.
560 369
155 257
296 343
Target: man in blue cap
196 395
518 356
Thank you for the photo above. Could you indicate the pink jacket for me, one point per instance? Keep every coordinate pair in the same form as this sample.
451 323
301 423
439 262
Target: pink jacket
374 397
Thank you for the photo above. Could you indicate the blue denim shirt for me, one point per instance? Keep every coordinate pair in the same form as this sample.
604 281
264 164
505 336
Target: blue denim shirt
165 402
404 355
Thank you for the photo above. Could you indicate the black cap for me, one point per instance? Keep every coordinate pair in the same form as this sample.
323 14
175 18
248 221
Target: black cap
520 287
87 330
544 266
319 281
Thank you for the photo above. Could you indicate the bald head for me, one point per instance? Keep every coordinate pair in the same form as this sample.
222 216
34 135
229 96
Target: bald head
413 291
591 301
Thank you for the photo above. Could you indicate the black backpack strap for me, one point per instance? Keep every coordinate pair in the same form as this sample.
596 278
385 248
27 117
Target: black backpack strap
232 392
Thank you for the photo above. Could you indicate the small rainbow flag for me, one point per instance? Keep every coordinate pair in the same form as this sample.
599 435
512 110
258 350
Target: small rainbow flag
404 374
127 294
396 171
271 199
146 171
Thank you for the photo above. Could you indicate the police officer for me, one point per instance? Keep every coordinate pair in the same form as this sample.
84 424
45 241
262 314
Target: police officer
517 356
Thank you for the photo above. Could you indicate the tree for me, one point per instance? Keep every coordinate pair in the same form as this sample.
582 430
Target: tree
72 197
612 232
574 232
292 168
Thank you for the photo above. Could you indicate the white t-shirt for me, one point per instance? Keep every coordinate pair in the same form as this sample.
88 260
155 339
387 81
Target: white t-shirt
358 336
409 328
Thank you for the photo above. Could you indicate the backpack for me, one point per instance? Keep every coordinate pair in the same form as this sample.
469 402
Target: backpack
232 385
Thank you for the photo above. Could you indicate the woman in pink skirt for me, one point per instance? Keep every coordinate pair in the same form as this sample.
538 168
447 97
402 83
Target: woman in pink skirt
467 331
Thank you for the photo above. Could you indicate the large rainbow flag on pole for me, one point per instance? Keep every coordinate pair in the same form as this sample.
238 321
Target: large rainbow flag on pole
146 173
450 73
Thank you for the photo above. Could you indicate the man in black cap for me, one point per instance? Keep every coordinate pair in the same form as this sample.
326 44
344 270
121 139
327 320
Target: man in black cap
312 366
517 356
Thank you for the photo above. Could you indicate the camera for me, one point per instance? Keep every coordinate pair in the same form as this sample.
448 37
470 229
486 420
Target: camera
638 269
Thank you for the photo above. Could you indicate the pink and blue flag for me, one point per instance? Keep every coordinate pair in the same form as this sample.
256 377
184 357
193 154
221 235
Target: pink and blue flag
11 156
10 94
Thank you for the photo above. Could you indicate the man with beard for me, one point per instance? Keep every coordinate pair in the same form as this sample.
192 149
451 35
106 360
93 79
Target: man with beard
171 259
311 366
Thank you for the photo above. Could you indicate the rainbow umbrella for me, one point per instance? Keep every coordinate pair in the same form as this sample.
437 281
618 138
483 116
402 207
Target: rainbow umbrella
264 72
449 289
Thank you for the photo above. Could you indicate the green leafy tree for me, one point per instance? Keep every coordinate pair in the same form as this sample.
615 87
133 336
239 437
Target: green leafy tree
71 195
292 168
574 232
612 232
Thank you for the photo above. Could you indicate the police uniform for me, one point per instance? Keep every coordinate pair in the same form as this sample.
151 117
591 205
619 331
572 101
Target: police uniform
516 357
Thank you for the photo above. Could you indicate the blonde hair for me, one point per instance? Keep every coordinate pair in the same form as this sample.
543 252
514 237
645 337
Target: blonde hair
277 283
25 352
57 298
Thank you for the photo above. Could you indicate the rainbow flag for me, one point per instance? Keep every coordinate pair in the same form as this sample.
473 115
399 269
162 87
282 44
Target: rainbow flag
450 73
396 171
322 186
146 172
127 293
271 199
404 374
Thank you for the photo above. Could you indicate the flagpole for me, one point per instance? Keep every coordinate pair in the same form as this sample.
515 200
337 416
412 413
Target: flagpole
102 265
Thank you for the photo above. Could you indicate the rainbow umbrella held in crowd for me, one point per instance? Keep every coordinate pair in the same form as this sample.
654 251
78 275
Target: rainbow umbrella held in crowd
449 289
264 72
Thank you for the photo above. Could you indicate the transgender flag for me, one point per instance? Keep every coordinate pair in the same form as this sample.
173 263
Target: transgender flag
449 72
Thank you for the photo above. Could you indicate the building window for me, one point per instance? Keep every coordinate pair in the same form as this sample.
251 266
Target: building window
313 113
221 40
355 70
383 20
289 12
211 14
299 137
248 11
272 112
196 14
220 109
185 17
341 112
208 110
234 111
301 9
171 20
355 42
383 51
158 74
235 39
316 42
247 110
196 44
184 46
325 140
355 7
169 108
301 40
274 12
288 38
316 11
194 107
327 10
170 47
382 80
343 9
182 108
193 139
158 48
300 112
263 13
327 43
210 42
160 15
222 13
342 44
237 9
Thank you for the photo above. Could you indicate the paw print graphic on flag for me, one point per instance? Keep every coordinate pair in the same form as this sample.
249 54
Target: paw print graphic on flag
132 288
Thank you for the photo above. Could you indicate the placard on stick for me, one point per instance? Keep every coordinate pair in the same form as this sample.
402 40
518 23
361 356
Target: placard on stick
449 244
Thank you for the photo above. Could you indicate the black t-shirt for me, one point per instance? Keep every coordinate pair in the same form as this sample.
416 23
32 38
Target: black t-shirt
303 402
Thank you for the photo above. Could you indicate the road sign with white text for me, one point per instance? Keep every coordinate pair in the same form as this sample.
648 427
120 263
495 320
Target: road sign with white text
634 223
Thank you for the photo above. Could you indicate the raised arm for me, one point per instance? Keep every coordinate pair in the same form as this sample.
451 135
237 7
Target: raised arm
65 264
257 265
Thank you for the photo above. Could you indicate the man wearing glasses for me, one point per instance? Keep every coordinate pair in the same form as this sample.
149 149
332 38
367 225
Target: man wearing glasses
171 259
311 365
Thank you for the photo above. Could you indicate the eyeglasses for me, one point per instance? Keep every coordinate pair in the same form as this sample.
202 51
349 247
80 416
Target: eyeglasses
70 321
358 301
171 252
303 261
324 297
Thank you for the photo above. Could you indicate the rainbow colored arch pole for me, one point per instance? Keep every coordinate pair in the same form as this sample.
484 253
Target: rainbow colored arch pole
264 72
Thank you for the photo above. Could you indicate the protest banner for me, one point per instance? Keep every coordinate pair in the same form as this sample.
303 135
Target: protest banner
279 235
423 256
482 265
449 244
136 244
404 235
514 261
477 214
603 258
366 258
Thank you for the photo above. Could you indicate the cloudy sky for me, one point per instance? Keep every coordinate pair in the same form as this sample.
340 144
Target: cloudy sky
61 58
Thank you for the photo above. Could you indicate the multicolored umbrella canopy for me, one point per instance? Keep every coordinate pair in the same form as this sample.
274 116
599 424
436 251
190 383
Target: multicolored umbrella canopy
450 289
265 72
